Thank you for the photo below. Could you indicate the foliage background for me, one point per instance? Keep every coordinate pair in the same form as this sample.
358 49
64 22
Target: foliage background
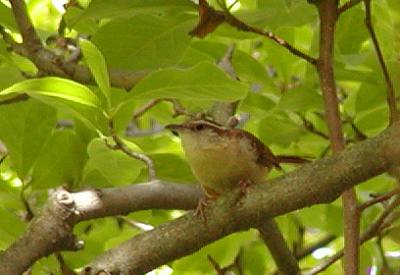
56 137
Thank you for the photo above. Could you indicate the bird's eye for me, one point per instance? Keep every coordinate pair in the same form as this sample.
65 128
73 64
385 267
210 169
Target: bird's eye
199 127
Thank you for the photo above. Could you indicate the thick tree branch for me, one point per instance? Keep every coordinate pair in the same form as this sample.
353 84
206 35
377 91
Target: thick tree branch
50 63
391 96
314 183
328 12
30 38
319 182
51 231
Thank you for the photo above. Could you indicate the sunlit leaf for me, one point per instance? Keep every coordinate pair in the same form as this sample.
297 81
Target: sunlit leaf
98 67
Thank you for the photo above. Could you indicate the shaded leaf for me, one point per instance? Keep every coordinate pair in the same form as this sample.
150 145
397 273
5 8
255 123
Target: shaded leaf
202 82
151 41
61 161
109 167
24 128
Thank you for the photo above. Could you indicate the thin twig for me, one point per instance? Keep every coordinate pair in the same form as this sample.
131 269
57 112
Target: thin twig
237 23
385 265
65 269
308 126
141 110
391 98
371 232
314 246
178 108
210 19
379 199
29 213
120 145
15 99
30 38
348 5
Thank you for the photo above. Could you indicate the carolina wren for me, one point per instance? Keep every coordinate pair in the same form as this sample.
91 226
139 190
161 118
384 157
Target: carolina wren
221 158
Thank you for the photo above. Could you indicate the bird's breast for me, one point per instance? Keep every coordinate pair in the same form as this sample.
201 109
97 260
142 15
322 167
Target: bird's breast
221 164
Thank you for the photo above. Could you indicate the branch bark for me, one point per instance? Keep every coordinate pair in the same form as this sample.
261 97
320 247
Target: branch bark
50 63
51 231
328 13
319 182
280 251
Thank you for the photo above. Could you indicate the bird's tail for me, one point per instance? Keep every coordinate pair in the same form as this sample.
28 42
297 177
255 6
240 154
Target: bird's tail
292 159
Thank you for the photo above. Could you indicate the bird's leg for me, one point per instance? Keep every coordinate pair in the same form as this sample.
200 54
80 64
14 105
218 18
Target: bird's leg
210 195
244 185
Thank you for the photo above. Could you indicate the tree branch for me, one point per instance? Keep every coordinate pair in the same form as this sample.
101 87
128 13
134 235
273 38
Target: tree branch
120 145
348 5
237 23
391 97
372 231
51 231
210 19
50 63
280 251
328 12
313 183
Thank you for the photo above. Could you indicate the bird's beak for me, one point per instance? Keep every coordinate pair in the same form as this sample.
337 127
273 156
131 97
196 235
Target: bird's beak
174 128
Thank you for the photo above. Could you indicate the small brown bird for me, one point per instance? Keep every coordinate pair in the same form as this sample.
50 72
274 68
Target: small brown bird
222 158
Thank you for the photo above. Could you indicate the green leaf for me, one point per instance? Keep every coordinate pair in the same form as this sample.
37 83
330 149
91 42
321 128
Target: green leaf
224 251
99 9
246 67
9 75
351 31
55 87
63 94
279 130
10 223
61 161
24 128
202 82
97 65
149 41
6 17
301 99
109 167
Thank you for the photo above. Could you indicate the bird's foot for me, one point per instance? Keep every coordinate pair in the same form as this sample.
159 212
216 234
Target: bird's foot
210 195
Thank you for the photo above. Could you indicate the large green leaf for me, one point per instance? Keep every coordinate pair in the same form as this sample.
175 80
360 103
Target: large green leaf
55 87
202 82
246 67
98 9
24 128
97 65
146 41
6 17
301 99
279 130
109 167
10 223
61 93
61 161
